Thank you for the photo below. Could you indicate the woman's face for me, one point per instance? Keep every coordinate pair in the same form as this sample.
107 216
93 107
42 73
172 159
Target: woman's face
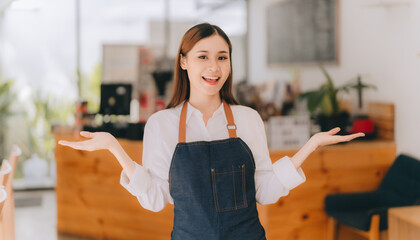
207 65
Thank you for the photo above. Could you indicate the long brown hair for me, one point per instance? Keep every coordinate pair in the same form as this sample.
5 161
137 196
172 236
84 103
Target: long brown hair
181 90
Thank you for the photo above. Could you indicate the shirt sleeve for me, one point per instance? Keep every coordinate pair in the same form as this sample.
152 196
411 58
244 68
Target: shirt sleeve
149 183
272 181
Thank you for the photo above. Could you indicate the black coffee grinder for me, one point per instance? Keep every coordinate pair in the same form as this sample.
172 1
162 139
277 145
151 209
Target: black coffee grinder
164 72
161 78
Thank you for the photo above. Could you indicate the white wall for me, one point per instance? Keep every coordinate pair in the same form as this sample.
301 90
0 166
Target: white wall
382 44
36 48
37 38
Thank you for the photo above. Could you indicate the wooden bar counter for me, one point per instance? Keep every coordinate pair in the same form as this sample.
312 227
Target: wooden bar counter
92 203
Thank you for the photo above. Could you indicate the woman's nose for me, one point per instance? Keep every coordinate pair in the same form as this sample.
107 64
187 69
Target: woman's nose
213 64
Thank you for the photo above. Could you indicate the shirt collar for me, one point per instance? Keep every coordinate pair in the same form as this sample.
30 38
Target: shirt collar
192 110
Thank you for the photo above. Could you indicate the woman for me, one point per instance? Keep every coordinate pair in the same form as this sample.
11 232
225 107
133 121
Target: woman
206 154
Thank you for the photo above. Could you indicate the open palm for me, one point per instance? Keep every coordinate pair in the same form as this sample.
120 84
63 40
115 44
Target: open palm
327 138
97 141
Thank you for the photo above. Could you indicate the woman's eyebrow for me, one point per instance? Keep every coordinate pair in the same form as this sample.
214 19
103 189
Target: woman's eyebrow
205 51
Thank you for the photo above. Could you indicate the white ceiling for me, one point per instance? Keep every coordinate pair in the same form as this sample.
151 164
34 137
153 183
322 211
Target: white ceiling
147 5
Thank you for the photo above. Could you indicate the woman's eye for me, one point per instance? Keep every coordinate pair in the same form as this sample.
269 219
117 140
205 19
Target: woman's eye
223 58
202 57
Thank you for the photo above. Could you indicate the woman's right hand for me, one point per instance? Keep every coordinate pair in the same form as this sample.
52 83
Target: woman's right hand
97 141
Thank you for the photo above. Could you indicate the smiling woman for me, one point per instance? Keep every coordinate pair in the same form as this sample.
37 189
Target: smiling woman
205 153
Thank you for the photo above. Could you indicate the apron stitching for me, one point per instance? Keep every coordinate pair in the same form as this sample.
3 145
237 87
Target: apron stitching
209 142
172 165
231 208
243 185
215 190
250 156
227 172
234 189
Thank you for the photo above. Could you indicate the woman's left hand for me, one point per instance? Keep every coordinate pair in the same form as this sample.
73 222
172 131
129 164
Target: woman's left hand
321 139
327 138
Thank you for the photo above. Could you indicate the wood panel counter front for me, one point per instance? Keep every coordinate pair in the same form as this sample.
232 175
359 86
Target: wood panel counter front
92 203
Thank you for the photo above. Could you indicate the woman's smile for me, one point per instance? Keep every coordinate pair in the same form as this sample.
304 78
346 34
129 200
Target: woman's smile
212 80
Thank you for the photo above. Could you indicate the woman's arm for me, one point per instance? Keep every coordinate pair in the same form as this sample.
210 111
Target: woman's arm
273 181
318 140
126 162
149 181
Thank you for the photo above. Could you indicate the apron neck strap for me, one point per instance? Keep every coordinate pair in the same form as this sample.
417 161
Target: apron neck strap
231 126
183 122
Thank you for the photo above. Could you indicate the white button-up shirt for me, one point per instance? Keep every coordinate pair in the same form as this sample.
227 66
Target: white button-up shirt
150 182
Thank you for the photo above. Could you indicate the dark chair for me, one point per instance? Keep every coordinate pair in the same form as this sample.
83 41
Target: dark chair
366 212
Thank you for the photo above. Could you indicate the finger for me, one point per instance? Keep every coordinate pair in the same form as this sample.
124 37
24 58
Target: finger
67 143
81 145
356 135
86 134
350 137
334 131
62 142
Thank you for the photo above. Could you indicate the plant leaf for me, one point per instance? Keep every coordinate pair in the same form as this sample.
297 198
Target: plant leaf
315 99
330 83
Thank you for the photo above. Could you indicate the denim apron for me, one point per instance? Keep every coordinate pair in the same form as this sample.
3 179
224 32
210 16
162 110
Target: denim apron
212 185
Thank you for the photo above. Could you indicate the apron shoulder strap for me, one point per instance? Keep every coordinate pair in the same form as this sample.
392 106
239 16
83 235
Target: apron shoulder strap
231 126
183 123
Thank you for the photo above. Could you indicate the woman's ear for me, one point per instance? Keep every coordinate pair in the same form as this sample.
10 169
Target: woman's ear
183 62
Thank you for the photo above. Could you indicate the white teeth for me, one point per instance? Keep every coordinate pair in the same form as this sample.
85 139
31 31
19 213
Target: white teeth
213 78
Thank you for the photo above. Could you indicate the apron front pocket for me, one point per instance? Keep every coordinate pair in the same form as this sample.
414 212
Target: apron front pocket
229 190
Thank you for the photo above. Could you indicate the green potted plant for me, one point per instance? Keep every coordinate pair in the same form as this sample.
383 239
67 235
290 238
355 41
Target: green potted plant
323 102
6 99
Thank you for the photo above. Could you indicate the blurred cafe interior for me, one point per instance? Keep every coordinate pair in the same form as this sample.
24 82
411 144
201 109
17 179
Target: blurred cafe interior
305 66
